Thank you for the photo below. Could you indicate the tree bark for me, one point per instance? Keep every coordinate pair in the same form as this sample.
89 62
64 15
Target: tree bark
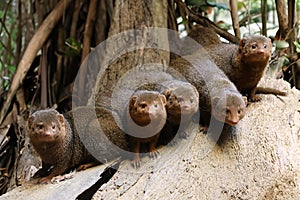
235 19
89 27
134 19
291 25
264 17
103 20
282 18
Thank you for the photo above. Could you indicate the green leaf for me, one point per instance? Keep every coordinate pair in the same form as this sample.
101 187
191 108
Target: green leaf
297 46
11 68
204 3
73 47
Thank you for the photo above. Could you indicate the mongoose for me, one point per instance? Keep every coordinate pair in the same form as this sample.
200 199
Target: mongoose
218 96
145 118
199 37
100 130
86 134
245 63
57 143
182 105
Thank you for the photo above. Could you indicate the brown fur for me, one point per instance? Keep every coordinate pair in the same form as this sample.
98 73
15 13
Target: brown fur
245 63
182 104
57 143
145 119
213 87
199 37
100 129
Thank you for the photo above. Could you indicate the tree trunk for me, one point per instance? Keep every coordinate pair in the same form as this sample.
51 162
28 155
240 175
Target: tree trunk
282 18
291 25
259 159
264 13
132 44
235 19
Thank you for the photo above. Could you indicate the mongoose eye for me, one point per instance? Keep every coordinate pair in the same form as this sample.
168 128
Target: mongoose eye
155 105
224 111
40 126
253 46
180 99
53 126
265 46
227 111
143 105
192 100
240 111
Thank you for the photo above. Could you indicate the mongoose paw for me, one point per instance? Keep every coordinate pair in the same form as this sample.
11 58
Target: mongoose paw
60 178
55 179
254 99
136 163
204 129
45 180
85 166
154 154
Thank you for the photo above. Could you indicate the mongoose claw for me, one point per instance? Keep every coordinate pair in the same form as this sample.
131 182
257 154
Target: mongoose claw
204 129
254 99
136 163
154 154
85 166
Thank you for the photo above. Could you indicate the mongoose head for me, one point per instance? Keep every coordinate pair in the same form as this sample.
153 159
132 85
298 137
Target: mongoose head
182 99
255 48
145 106
46 126
229 108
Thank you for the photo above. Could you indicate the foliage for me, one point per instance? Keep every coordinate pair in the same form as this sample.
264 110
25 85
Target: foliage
73 47
8 44
252 9
205 3
297 46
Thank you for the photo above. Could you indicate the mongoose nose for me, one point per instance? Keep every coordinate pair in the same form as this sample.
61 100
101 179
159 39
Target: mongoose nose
186 108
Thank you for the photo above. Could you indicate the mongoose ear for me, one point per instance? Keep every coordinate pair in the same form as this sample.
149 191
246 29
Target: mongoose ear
242 44
132 101
243 41
163 99
245 100
270 41
196 92
30 121
167 93
61 118
215 101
